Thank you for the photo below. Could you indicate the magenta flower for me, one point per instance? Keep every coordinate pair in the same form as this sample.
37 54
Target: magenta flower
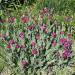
37 36
31 27
11 41
17 46
11 19
24 63
54 43
66 44
62 32
8 46
66 54
63 40
34 52
45 30
54 34
21 35
43 27
33 43
69 35
24 19
69 41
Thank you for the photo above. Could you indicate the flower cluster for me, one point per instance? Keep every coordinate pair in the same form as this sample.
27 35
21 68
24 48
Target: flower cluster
66 44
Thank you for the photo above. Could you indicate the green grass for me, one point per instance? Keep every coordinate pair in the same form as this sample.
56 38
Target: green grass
2 64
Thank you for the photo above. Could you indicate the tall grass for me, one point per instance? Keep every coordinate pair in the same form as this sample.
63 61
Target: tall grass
57 5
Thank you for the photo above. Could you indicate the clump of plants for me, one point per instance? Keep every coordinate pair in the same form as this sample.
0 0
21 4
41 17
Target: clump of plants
36 44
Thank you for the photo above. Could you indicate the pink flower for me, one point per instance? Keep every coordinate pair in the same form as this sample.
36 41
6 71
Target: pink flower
54 34
33 43
11 41
66 44
24 19
43 27
24 63
21 35
63 40
45 30
8 46
11 19
62 32
31 27
69 35
17 46
54 43
34 52
70 41
37 36
66 54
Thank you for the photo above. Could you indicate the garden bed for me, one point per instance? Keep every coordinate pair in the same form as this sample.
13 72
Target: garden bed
41 44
